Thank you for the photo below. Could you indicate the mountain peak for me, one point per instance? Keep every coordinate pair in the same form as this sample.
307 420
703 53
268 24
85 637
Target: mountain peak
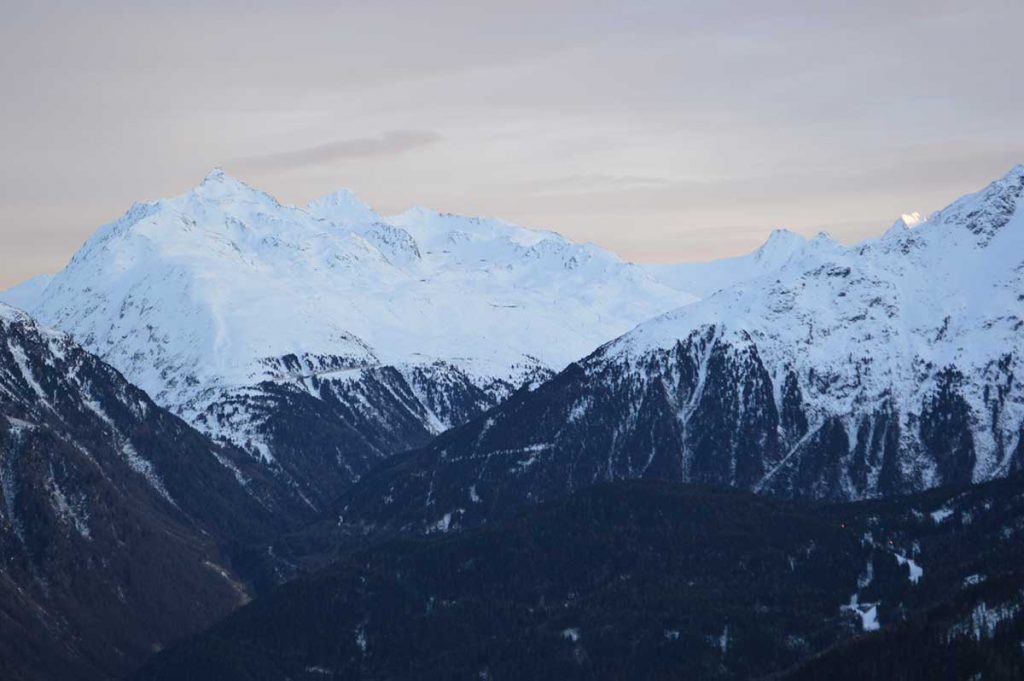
216 174
219 186
781 235
781 244
218 178
985 213
343 206
417 213
903 223
1014 178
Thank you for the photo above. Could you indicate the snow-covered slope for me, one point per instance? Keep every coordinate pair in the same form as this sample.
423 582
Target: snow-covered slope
225 282
324 338
705 278
27 294
918 331
850 372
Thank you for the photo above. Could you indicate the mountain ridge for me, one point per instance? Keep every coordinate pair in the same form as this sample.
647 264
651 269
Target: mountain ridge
854 372
246 317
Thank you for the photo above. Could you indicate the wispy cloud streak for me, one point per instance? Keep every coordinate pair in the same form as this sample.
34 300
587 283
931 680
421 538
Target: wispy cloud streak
389 143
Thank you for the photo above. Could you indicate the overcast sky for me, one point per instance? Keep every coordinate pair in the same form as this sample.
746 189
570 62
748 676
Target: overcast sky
663 130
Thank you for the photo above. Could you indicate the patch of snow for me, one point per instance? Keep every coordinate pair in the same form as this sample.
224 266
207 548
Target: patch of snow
223 461
869 619
579 409
361 641
145 469
441 525
985 620
21 360
68 511
864 580
916 571
866 612
94 406
18 425
262 450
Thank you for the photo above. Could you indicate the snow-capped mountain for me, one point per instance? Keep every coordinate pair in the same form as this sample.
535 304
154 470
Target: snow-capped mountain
705 278
244 282
324 338
850 372
901 354
114 514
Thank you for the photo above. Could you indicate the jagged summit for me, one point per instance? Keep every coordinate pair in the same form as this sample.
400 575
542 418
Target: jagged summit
12 314
785 246
218 203
780 243
343 206
781 235
903 223
414 214
219 291
988 211
219 186
216 174
210 299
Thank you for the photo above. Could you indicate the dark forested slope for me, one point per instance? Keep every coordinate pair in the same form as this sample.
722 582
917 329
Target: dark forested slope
628 580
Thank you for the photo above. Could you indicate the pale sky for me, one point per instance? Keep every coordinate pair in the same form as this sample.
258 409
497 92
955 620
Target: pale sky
666 131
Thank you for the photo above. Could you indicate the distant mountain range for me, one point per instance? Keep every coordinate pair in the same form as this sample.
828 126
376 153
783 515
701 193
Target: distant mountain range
482 450
884 368
323 339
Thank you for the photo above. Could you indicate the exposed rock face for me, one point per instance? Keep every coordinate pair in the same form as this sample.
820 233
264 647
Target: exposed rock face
117 519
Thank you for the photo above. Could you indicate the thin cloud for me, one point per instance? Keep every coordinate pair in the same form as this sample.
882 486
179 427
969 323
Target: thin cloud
386 144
